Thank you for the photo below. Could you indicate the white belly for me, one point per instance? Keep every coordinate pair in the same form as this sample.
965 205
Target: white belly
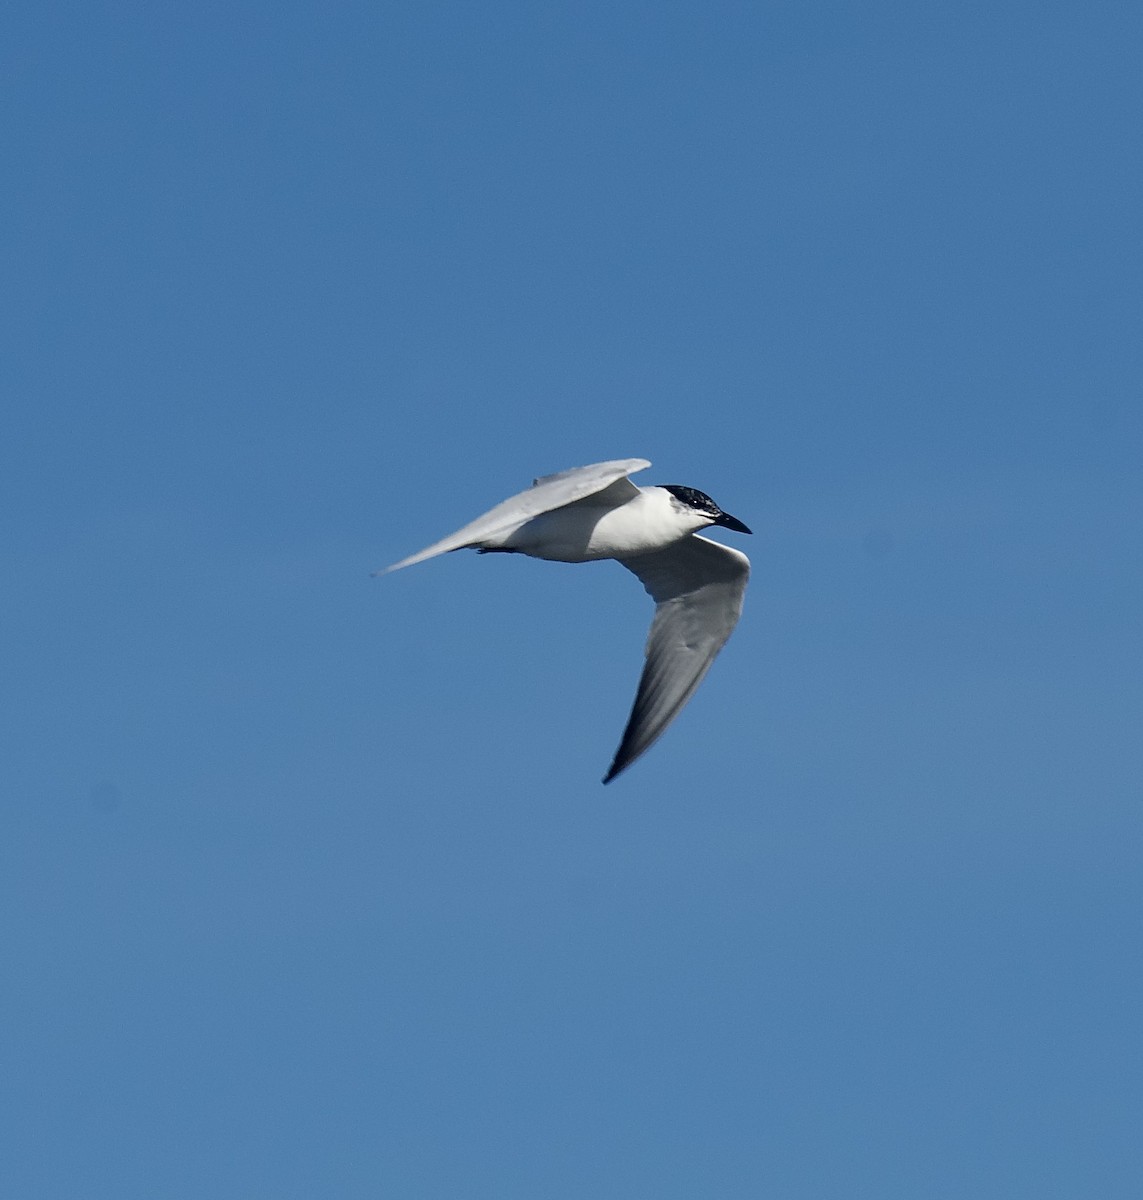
580 533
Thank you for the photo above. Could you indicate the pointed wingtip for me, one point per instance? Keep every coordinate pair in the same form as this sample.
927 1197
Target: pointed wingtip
397 566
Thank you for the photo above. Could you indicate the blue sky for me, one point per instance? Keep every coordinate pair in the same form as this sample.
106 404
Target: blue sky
308 886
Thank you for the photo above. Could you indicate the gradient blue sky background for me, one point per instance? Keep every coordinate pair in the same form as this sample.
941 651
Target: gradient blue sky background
308 884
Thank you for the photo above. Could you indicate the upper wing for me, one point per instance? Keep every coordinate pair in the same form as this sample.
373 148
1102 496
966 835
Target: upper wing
548 492
697 586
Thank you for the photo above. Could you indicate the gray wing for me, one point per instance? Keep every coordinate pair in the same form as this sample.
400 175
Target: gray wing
546 493
697 586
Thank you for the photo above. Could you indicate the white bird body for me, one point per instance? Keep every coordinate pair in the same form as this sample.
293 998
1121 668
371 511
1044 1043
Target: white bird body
587 530
596 512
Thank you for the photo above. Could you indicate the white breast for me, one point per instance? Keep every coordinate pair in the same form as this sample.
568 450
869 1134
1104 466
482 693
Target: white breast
583 531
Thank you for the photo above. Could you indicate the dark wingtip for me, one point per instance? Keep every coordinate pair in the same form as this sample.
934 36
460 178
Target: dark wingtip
619 764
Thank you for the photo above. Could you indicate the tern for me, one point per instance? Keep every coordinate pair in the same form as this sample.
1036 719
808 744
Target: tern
596 512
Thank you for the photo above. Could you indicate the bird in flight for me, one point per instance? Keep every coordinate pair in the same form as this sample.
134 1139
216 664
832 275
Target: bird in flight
596 512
